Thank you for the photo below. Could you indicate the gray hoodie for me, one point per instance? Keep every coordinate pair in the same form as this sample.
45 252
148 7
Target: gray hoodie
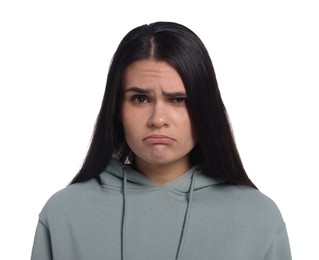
123 215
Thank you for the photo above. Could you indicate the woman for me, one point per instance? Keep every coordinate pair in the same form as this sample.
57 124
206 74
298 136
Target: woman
162 178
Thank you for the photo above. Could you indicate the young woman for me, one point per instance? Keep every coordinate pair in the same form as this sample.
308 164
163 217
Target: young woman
162 178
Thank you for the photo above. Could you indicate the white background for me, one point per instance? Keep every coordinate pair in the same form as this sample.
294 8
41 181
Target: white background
54 58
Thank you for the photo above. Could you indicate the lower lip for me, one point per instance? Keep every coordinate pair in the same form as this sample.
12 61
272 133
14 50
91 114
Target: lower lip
158 140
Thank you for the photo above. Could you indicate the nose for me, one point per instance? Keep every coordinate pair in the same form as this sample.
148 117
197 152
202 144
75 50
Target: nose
158 116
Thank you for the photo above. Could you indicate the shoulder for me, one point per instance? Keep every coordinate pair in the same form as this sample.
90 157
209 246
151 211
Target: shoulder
254 205
249 198
70 198
244 205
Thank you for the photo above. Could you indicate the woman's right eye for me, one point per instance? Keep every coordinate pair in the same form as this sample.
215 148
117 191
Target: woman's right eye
139 99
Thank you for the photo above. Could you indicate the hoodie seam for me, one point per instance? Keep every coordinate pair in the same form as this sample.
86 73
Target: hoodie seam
273 239
145 190
44 223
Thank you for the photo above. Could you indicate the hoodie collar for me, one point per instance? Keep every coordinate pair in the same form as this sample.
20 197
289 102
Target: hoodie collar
113 176
124 177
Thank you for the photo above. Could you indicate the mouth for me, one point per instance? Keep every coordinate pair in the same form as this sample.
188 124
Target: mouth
158 139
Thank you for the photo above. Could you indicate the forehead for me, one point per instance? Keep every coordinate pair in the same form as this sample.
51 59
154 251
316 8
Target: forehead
150 74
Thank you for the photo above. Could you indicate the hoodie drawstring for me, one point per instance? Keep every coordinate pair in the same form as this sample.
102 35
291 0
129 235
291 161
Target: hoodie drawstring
186 218
185 222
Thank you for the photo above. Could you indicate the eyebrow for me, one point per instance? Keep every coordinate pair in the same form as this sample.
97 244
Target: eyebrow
147 91
137 90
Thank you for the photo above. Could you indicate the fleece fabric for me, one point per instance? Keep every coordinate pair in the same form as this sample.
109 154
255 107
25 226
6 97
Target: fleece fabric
122 215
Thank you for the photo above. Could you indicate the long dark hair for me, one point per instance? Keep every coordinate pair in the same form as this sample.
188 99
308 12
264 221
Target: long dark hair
181 48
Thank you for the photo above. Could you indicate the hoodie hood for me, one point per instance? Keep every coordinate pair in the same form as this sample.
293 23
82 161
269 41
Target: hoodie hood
112 177
123 215
127 180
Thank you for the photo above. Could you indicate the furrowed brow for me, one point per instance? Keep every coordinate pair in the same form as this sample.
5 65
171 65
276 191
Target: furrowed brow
178 94
137 90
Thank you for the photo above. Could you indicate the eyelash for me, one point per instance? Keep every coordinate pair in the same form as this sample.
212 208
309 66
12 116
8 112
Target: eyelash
179 99
140 99
137 99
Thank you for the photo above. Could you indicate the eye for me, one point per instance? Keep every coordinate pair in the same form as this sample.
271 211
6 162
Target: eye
179 101
139 99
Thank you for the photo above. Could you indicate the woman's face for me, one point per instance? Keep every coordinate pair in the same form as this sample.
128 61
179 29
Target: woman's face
154 115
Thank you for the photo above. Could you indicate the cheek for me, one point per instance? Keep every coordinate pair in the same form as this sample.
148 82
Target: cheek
128 126
126 117
125 120
187 125
187 131
132 124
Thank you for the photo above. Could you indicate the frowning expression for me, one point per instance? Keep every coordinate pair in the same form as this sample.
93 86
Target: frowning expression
154 114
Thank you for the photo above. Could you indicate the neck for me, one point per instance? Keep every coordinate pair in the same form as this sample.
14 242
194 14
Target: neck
162 173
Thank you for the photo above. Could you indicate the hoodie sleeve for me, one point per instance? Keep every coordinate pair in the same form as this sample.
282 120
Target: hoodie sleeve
42 243
280 248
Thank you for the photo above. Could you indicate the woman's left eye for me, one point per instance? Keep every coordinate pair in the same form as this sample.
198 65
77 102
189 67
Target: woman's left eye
179 100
